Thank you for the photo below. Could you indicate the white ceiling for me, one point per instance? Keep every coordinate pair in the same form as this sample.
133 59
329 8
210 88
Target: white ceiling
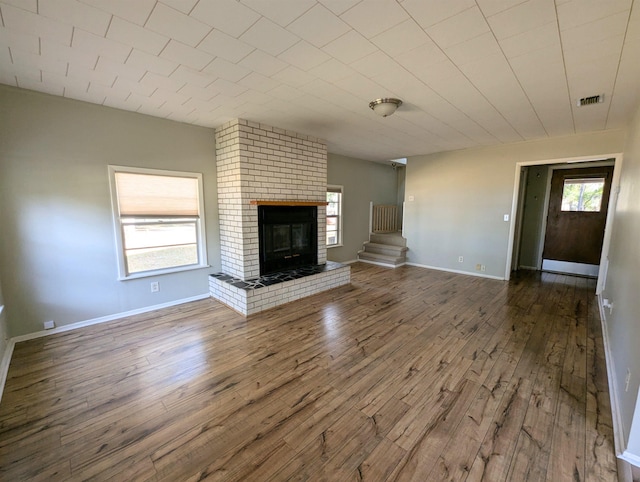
470 72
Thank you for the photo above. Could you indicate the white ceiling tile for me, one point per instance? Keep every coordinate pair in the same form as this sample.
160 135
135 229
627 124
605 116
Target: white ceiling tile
259 82
229 16
374 64
26 60
473 50
525 16
185 55
420 61
176 25
372 17
595 53
401 38
151 63
361 87
460 28
263 63
136 36
91 43
192 76
430 12
541 37
491 7
285 92
293 76
78 94
332 70
318 26
77 14
268 36
8 78
339 6
575 13
123 84
90 75
31 84
117 102
30 5
137 11
199 93
226 70
64 81
19 40
304 56
184 6
231 89
63 53
222 45
594 32
28 23
282 12
128 71
349 47
152 80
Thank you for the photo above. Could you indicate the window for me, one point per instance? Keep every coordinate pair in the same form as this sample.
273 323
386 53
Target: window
582 194
158 221
334 216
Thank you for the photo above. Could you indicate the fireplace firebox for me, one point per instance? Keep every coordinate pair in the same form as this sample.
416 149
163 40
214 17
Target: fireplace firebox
288 237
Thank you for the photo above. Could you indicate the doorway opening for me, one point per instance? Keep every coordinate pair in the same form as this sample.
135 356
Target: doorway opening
532 246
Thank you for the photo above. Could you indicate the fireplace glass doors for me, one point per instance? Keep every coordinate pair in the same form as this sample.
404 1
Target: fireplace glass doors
288 237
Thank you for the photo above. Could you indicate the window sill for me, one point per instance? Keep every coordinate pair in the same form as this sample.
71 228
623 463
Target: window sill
335 246
148 274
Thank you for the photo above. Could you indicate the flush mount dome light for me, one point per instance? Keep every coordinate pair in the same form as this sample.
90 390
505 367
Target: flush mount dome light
385 107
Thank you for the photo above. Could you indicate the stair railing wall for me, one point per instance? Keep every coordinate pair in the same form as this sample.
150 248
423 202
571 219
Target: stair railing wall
385 218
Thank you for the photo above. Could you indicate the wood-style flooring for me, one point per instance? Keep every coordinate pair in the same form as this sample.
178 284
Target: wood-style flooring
406 374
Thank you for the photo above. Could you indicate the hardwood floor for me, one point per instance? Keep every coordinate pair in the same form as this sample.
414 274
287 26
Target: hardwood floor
408 374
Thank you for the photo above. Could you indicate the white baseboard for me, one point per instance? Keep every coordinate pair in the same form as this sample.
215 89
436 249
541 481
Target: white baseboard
618 432
4 364
457 271
351 261
6 359
103 319
377 263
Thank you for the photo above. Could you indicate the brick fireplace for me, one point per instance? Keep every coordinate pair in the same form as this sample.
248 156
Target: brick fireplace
257 165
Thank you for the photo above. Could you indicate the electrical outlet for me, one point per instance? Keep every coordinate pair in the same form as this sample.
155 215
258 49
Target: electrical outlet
460 259
48 325
155 286
483 267
627 379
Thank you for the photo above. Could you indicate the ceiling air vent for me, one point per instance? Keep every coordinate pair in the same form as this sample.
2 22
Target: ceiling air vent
594 99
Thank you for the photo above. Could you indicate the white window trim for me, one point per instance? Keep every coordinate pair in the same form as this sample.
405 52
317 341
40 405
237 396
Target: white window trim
117 228
340 232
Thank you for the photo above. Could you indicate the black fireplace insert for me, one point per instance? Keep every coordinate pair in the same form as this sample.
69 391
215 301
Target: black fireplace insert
288 237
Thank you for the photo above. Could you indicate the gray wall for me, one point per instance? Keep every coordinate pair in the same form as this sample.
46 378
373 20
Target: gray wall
57 248
4 333
623 285
533 216
363 182
460 199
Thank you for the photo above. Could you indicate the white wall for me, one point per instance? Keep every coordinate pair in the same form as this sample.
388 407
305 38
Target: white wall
460 198
57 248
363 182
622 289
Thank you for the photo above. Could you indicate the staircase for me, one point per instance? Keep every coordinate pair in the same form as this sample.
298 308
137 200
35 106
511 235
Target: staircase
386 249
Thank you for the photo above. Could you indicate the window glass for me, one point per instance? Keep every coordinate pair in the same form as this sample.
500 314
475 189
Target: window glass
582 194
158 221
334 216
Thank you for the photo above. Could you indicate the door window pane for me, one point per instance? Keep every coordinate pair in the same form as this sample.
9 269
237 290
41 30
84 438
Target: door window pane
582 194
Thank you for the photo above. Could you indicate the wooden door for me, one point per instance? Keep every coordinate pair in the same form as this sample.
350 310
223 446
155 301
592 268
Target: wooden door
575 227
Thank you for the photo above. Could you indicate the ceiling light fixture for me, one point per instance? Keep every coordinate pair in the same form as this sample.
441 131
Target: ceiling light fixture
385 107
